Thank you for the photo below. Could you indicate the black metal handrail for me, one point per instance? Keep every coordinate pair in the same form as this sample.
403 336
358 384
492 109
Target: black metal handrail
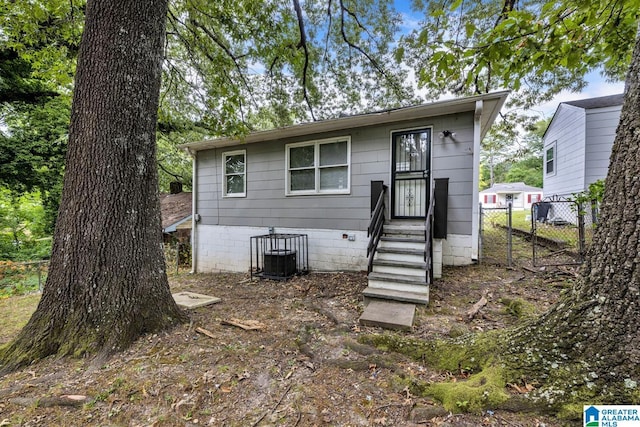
374 231
428 239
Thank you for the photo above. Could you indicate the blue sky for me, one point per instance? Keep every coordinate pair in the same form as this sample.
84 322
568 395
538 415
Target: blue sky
597 86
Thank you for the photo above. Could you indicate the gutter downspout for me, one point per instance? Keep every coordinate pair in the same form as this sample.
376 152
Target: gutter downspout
194 208
475 206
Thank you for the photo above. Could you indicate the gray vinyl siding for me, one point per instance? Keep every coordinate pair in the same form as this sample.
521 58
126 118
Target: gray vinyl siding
266 204
601 131
567 129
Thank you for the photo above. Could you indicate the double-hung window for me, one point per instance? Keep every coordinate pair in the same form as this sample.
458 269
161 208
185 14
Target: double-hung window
234 166
550 163
319 167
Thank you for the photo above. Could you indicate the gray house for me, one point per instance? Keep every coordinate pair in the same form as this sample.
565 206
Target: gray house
316 186
577 144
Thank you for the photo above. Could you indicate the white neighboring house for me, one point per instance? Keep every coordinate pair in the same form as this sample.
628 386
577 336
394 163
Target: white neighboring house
577 144
519 194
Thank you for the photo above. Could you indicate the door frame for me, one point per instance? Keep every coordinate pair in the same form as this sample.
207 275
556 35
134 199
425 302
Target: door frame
427 173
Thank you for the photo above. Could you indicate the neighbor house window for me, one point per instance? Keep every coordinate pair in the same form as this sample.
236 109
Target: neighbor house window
489 198
550 162
234 166
319 167
534 198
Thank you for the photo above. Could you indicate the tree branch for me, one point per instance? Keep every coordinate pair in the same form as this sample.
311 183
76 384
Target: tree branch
305 48
352 45
208 55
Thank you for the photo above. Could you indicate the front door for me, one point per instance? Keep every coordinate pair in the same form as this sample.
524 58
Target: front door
410 173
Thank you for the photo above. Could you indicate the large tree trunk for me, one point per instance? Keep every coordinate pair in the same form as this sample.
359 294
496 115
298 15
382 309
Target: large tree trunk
107 282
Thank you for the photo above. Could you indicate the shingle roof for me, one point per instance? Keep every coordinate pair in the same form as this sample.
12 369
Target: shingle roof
174 207
600 102
511 187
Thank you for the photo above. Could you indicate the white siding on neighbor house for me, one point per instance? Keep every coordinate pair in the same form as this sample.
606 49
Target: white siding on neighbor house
601 131
521 199
567 129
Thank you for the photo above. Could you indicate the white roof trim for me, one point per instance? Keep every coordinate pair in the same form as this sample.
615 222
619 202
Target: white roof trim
492 103
174 227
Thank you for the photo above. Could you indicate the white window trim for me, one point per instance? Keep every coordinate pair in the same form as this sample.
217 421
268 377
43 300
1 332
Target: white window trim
316 143
554 146
224 174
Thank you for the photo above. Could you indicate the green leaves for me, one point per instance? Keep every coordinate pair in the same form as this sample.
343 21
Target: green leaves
537 48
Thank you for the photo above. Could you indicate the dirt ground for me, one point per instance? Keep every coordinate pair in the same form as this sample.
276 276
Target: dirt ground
302 367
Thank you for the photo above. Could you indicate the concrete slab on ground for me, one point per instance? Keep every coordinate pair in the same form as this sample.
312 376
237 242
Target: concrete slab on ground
388 314
189 300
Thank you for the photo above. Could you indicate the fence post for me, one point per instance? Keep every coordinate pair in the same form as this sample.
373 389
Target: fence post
509 234
40 276
480 232
177 257
581 243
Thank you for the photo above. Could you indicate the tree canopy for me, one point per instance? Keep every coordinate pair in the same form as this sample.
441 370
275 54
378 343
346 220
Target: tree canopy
536 48
235 66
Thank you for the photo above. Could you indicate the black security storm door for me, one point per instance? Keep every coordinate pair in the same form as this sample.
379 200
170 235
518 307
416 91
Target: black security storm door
410 173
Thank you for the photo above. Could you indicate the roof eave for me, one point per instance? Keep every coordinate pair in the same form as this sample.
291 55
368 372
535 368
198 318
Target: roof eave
439 108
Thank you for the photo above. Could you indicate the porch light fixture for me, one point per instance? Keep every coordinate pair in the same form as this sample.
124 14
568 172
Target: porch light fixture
447 134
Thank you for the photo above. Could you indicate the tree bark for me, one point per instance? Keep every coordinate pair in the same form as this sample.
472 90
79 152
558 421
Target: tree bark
107 282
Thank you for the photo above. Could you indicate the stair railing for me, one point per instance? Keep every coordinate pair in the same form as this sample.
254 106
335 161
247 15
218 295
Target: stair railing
428 239
374 231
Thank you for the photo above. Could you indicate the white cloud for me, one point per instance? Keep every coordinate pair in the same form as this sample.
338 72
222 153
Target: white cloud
597 86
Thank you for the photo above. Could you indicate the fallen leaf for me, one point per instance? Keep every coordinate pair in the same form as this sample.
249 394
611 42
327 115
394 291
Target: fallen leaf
286 377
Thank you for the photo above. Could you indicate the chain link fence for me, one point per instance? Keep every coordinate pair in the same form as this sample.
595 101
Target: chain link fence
19 278
556 231
177 257
495 236
561 230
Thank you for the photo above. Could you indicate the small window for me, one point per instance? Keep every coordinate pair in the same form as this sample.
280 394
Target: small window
319 167
234 166
489 198
550 159
534 198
